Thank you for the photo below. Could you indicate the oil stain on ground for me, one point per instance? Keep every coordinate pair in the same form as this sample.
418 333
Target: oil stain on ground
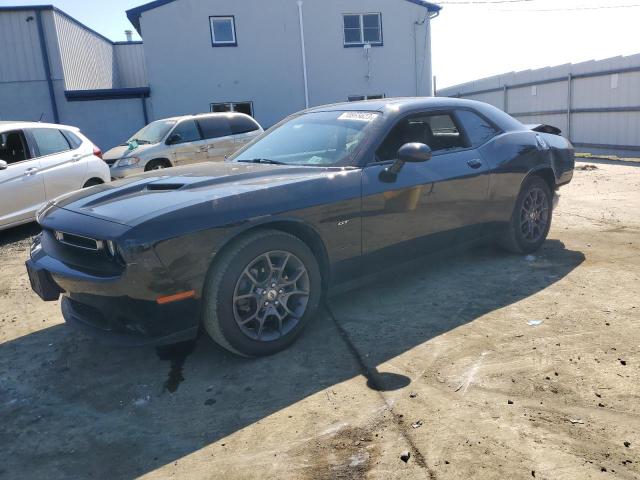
176 354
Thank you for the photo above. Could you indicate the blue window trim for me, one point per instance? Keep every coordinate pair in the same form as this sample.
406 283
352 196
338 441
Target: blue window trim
361 45
235 32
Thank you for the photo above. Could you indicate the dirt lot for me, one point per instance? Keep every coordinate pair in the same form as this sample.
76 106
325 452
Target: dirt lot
442 363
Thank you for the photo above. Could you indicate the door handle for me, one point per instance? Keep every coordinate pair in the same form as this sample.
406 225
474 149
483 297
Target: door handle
31 171
475 163
76 157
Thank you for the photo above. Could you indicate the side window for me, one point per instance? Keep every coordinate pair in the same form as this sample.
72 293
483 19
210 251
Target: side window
477 128
13 147
215 127
188 131
439 131
223 31
50 141
241 124
362 29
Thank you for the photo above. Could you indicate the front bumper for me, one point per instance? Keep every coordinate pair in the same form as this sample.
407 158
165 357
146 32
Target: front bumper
120 308
111 328
123 172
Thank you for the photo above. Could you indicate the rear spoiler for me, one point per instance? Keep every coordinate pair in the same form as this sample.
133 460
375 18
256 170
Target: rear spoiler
542 128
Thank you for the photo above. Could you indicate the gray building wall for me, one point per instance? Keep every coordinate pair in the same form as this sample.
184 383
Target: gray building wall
87 59
187 74
595 103
131 65
79 59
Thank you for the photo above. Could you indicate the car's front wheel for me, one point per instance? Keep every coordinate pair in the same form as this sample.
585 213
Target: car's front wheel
157 165
261 293
531 219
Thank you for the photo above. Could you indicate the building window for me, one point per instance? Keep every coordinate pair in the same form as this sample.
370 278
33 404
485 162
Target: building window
359 98
362 29
240 107
223 31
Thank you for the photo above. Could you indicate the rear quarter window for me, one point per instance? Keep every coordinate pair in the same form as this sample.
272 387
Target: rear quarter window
477 128
240 124
72 138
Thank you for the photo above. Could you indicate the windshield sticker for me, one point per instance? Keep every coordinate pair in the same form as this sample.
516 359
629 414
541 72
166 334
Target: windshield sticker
359 116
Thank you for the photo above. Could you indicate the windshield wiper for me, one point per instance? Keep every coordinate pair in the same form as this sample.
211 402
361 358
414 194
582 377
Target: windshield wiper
263 160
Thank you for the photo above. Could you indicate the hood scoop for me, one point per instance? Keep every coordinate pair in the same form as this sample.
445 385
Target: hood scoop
164 187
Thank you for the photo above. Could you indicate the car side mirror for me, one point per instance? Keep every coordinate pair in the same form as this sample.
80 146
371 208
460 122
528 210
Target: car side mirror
3 165
174 138
408 153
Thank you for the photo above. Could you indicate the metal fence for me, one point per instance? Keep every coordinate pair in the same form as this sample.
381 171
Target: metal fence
596 104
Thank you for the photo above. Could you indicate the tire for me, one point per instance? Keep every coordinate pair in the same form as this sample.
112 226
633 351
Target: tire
239 297
159 164
92 183
527 231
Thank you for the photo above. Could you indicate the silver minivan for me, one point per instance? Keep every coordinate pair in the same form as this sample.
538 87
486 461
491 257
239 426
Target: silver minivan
182 140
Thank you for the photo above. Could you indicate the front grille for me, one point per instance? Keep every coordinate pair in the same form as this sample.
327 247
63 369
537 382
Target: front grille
79 241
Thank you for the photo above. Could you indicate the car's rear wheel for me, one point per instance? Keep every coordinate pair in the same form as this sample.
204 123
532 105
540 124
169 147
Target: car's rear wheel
531 219
157 165
261 293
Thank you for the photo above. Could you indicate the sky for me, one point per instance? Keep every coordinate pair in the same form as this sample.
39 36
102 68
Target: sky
471 39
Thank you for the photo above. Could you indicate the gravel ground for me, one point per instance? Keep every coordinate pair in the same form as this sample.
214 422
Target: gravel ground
484 366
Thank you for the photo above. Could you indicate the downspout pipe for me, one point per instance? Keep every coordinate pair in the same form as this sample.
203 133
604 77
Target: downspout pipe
429 74
47 66
304 55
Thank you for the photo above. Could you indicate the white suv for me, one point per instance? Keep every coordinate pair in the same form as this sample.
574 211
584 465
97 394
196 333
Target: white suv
182 140
39 162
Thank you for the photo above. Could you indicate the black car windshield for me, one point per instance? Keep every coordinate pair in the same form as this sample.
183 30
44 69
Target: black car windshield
153 133
317 138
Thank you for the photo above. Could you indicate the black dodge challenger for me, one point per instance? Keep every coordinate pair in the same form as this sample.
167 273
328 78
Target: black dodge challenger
247 248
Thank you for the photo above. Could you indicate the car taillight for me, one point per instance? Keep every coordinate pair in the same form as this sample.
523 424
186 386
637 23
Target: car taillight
97 152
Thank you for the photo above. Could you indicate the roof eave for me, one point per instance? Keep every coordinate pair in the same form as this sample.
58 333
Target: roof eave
134 14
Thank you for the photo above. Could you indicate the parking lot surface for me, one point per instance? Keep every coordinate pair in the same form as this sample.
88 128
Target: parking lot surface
485 365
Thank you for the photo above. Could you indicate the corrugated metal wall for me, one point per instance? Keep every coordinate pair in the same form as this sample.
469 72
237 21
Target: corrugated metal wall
19 39
595 103
87 60
132 69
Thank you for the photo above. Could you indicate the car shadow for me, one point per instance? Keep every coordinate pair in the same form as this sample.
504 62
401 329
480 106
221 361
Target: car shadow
72 408
18 234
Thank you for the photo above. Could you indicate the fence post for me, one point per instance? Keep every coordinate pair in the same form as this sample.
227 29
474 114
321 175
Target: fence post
569 104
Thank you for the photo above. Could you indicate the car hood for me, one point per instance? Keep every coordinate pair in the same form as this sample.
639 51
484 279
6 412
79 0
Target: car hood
133 200
122 151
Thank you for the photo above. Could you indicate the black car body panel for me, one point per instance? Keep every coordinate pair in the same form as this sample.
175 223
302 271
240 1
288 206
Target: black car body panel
169 226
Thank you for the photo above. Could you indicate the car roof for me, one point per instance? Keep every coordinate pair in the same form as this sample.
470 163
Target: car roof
202 115
395 107
10 124
397 103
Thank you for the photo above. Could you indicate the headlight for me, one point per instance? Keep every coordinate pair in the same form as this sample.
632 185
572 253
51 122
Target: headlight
128 162
112 248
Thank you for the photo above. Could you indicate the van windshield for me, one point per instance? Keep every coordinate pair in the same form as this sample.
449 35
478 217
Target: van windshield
317 138
152 133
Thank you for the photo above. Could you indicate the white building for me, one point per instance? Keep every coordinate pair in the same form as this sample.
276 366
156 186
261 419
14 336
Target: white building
274 58
267 58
